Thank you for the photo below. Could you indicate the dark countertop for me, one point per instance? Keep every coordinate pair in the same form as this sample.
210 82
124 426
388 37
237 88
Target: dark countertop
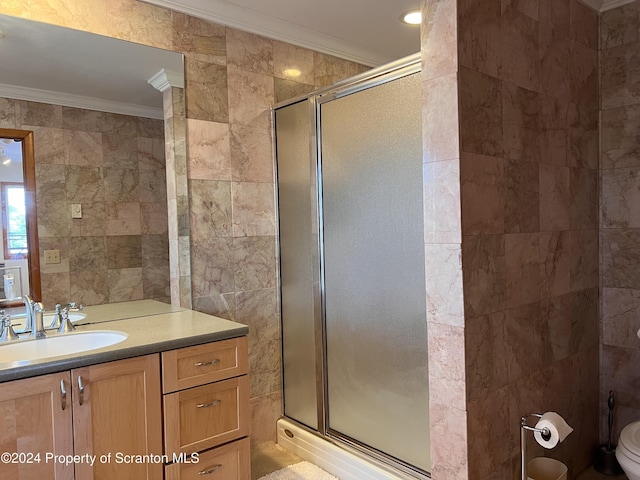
150 333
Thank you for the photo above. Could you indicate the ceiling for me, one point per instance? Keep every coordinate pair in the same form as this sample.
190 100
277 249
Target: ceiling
365 31
51 64
11 149
42 62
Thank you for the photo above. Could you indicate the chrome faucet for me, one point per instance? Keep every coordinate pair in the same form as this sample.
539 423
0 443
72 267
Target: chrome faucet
7 334
61 317
28 303
35 317
65 324
57 317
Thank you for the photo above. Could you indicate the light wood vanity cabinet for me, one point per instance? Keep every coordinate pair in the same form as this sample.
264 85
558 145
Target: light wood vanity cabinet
111 408
116 408
206 410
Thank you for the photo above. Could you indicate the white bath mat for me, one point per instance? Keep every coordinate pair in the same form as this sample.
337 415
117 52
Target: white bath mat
299 471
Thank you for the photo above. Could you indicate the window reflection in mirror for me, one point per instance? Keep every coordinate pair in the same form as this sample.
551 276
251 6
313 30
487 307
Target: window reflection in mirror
14 219
19 264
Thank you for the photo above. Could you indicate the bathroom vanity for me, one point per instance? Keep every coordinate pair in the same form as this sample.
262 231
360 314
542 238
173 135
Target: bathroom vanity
170 401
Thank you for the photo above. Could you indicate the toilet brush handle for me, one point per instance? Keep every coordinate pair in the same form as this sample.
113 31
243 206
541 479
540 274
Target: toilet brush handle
611 403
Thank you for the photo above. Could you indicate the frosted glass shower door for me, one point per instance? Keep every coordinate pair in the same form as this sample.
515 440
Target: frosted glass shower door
373 260
297 198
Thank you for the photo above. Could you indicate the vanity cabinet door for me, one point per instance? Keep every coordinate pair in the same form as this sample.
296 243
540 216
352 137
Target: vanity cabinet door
36 424
117 417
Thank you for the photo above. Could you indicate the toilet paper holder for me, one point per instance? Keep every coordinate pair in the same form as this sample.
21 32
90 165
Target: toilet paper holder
524 426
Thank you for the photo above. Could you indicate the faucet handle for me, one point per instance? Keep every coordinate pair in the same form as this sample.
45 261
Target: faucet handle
8 334
74 307
57 319
65 324
71 306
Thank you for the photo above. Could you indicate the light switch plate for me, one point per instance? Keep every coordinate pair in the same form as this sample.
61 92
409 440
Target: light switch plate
76 210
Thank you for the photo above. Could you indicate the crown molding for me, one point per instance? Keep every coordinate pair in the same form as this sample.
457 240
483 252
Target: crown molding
224 13
165 79
604 5
78 101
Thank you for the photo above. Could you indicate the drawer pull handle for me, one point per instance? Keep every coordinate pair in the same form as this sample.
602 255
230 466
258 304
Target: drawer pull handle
210 470
206 364
81 387
210 404
63 391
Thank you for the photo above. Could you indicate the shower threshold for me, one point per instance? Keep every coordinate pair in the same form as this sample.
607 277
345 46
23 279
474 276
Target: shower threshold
343 462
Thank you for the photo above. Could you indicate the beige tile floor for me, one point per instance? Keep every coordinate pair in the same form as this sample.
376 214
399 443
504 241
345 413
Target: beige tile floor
591 474
269 457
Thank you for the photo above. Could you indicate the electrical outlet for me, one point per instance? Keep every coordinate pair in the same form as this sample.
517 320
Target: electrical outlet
51 256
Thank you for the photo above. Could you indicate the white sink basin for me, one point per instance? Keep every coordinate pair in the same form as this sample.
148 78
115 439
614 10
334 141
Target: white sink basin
54 346
73 317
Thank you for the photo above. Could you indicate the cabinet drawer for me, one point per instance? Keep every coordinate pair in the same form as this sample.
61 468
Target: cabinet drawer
192 366
206 416
228 462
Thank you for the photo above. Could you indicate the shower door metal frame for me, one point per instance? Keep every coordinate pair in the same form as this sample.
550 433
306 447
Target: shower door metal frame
378 76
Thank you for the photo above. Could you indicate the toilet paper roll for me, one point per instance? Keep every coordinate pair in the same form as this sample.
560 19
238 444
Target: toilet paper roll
558 430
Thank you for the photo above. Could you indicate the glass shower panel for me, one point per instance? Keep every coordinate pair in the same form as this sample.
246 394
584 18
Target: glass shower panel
298 252
374 284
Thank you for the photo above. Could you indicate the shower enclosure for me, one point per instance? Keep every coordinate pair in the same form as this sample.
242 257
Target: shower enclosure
349 174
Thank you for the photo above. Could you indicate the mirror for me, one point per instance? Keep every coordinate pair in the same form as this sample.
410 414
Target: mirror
95 126
19 269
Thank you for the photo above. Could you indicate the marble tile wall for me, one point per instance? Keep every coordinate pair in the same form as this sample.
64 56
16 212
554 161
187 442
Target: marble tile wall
443 240
232 79
620 212
114 166
175 127
231 178
516 170
529 120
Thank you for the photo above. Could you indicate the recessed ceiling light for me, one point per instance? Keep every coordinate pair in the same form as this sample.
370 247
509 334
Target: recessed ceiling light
412 17
292 72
